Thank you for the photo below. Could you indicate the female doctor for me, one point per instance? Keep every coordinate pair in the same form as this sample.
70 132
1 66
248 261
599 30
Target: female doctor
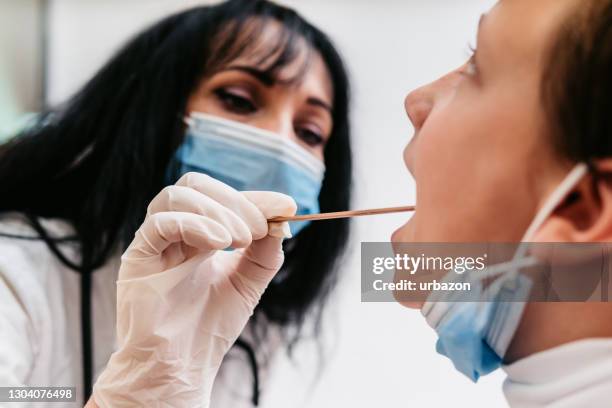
244 91
525 125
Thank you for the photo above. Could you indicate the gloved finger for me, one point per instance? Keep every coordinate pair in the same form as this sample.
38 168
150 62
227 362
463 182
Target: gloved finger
163 229
228 198
258 265
263 258
185 199
272 205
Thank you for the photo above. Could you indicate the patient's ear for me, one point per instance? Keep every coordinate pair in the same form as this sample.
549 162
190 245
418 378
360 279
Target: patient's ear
586 213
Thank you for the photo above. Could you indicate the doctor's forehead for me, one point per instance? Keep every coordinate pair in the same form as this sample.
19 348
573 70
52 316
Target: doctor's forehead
264 45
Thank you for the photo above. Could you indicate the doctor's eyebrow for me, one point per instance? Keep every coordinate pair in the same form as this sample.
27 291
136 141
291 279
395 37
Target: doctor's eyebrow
268 81
318 102
264 77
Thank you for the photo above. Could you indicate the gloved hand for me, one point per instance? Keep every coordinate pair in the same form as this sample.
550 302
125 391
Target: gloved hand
181 300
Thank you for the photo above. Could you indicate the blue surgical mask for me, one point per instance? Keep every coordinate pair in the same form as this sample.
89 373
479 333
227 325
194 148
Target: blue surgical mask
251 159
475 328
475 333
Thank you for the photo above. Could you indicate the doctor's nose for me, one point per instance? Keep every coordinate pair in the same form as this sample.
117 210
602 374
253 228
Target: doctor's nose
280 123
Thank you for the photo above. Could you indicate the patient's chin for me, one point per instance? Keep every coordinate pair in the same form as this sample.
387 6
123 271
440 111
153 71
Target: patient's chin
411 305
403 233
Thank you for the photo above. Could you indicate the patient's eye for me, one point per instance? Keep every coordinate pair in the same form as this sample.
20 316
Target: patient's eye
471 68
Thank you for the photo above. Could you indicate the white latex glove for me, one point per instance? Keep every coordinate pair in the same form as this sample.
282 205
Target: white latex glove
181 300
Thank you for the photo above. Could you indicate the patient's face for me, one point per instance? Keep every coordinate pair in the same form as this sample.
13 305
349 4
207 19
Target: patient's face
482 155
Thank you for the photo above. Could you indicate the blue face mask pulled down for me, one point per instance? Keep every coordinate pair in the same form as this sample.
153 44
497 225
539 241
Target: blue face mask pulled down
251 159
475 330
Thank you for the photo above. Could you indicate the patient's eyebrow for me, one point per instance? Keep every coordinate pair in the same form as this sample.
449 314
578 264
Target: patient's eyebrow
481 21
481 39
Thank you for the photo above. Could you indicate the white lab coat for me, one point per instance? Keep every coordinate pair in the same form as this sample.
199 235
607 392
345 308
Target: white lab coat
40 330
574 375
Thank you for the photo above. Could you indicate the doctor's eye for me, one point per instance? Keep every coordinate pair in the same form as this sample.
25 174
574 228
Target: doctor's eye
309 136
236 101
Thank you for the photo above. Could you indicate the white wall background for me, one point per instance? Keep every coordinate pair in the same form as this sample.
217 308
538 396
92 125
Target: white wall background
20 47
20 62
382 355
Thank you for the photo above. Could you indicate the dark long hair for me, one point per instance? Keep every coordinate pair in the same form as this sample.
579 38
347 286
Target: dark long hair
99 159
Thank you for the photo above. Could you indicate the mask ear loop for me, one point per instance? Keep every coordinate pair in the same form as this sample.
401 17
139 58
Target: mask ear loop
566 186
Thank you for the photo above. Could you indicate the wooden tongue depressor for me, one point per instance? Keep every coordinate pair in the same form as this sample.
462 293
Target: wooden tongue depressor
343 214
